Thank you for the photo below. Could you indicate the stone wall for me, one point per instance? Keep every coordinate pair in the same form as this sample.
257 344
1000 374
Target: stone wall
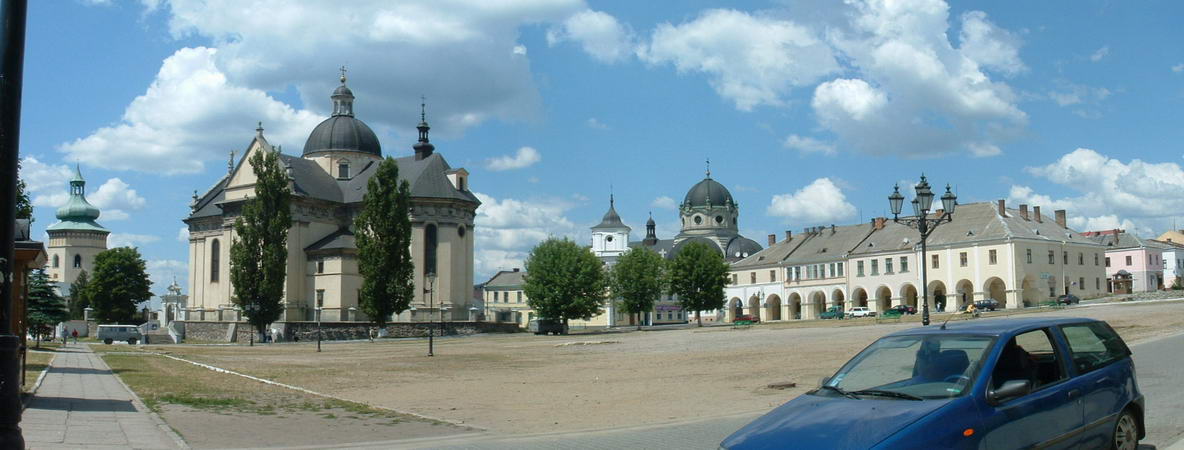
307 331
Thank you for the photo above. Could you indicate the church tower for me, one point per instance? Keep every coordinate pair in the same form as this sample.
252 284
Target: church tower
343 145
610 238
76 238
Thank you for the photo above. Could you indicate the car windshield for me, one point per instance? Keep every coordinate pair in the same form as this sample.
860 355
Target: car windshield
912 367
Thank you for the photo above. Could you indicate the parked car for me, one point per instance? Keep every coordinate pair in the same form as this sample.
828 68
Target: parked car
969 385
988 304
111 333
746 318
834 312
546 326
904 309
1068 299
860 311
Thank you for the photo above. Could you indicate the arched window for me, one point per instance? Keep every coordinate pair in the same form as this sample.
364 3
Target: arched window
77 261
55 261
430 243
215 260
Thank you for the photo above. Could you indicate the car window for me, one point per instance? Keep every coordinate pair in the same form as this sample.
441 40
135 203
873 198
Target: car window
1029 356
1094 345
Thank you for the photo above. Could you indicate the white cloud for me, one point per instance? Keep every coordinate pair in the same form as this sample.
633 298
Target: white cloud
183 235
519 50
115 198
1178 68
1110 193
819 202
664 202
507 229
41 177
1099 54
130 240
595 123
911 91
1070 94
189 115
984 149
806 144
525 157
598 33
162 272
751 60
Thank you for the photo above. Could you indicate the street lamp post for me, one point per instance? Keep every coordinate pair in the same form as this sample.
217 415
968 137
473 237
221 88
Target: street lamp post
319 308
431 291
443 325
924 225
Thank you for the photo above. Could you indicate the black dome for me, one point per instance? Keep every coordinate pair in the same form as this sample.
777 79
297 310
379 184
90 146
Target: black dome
343 90
342 133
741 247
708 191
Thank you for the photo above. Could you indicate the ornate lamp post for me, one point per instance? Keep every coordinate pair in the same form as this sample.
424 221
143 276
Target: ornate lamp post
431 291
924 225
318 309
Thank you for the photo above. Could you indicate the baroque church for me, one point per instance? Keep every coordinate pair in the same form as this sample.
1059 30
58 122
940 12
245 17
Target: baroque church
328 182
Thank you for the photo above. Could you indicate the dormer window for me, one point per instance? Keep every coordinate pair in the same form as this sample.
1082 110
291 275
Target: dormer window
343 169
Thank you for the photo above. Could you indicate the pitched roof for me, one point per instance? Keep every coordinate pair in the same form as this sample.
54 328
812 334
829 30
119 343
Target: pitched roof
512 279
1121 240
829 244
342 239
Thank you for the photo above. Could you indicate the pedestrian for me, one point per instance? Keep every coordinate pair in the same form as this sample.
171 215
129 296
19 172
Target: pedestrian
64 335
75 334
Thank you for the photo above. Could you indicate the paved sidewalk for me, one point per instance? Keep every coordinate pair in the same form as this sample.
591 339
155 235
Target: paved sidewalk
81 403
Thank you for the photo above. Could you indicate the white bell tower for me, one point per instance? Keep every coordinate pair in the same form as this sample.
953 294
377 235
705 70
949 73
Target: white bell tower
610 238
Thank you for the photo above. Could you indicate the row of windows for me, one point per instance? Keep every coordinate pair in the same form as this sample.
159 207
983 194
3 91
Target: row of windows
1052 258
77 261
505 297
875 266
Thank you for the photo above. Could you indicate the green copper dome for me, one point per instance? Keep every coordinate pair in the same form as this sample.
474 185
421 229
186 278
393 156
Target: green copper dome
77 213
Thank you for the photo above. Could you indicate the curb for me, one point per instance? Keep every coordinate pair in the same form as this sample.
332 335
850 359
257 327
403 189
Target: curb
139 404
27 398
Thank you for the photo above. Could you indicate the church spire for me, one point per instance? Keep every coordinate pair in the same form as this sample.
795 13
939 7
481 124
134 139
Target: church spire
343 98
423 148
651 234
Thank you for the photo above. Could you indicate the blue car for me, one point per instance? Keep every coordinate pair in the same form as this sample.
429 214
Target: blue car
989 384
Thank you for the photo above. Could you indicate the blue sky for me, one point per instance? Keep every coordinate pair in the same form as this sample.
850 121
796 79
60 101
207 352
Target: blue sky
809 111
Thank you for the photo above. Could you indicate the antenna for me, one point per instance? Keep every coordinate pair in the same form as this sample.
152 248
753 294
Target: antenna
943 324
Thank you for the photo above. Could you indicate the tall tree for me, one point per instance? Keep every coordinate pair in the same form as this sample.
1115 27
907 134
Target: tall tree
698 275
24 209
120 282
383 233
76 300
45 308
638 279
564 281
259 255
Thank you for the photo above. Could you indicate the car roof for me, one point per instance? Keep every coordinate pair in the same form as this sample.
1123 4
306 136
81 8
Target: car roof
993 327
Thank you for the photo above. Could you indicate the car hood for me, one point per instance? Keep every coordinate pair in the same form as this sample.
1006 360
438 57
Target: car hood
812 421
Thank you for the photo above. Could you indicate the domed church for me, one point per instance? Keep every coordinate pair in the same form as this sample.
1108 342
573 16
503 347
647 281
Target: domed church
328 182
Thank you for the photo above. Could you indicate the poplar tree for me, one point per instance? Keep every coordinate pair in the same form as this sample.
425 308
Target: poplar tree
564 281
638 279
45 308
259 255
119 283
382 231
698 276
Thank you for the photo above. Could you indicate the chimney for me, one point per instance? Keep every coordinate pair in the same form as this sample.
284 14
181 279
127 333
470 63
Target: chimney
1024 212
772 239
1061 218
879 222
788 235
1036 212
515 269
1002 208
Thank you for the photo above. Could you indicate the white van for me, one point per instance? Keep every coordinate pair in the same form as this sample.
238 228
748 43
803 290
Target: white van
112 333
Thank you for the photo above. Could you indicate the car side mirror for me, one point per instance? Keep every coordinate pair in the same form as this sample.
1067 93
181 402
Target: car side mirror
1010 389
823 381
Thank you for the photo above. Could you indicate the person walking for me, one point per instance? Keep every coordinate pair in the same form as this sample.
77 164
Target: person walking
75 334
64 335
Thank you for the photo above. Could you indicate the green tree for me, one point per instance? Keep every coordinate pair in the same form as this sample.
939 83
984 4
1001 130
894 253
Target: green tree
120 282
564 281
383 233
259 255
638 278
77 301
698 275
24 209
44 307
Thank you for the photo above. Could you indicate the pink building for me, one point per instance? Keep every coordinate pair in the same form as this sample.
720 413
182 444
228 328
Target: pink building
1133 264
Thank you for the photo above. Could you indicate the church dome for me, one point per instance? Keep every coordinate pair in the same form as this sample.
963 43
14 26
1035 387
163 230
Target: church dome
741 247
342 131
708 192
77 213
77 208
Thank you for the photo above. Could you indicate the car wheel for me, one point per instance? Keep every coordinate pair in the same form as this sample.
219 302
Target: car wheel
108 341
131 341
1126 432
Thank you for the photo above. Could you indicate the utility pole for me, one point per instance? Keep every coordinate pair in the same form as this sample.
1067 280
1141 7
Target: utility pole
12 61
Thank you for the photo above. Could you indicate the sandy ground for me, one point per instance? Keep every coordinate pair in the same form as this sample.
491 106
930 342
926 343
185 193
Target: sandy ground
530 384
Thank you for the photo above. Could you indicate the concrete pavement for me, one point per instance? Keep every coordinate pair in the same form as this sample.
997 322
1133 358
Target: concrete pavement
81 403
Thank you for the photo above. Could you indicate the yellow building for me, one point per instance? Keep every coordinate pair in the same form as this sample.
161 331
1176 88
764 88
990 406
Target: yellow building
328 182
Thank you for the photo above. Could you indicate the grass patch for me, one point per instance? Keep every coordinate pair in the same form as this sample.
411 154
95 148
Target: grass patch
204 402
35 363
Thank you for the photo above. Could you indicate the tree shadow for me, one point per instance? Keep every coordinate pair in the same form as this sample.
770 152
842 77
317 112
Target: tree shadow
82 404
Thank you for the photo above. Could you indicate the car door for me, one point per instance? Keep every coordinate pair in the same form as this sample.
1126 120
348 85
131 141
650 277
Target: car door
1103 373
1050 414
